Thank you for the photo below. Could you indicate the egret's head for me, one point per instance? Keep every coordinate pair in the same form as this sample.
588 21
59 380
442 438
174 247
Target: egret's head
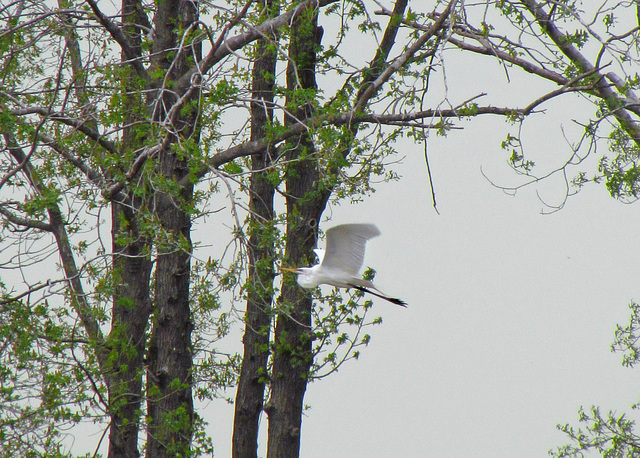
306 277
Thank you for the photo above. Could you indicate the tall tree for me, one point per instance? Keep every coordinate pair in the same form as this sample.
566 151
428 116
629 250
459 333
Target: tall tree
174 53
305 202
253 375
132 265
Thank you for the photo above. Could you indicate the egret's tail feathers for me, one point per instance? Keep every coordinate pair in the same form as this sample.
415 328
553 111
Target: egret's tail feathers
393 300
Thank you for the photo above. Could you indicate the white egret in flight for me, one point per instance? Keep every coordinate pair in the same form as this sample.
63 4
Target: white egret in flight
341 261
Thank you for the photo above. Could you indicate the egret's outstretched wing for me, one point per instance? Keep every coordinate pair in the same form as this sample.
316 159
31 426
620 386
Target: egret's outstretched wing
345 247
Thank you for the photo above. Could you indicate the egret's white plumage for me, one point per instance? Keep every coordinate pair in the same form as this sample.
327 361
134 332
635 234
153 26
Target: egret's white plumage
319 253
339 265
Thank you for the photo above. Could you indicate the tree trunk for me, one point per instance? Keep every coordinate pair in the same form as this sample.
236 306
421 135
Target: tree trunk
131 274
169 383
127 340
170 405
253 374
292 357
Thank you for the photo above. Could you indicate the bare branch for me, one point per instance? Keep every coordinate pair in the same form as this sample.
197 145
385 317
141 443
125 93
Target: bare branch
569 86
258 146
118 35
24 222
57 227
524 64
602 89
400 61
79 125
488 49
30 291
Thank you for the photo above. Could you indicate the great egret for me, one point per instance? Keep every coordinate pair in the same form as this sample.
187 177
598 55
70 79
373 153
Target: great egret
340 263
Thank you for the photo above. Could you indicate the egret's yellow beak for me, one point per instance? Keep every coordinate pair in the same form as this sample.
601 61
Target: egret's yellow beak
286 269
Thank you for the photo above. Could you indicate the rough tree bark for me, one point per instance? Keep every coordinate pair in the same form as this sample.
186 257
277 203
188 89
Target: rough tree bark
170 401
292 357
127 339
131 275
261 251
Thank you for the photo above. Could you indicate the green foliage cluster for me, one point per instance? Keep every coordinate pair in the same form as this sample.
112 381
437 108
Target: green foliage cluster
44 392
622 172
339 329
610 434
